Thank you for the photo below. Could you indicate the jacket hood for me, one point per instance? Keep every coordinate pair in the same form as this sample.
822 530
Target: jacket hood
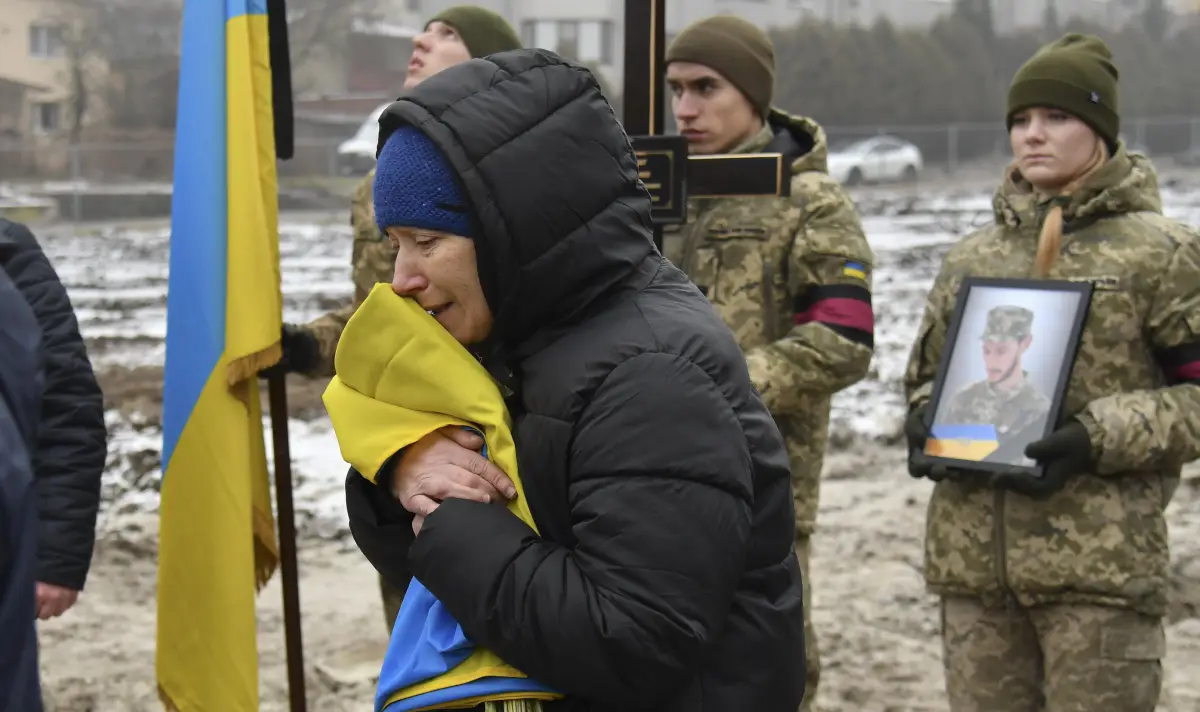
562 218
1127 183
801 140
8 243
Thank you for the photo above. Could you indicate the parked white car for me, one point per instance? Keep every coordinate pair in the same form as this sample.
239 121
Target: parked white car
877 159
356 155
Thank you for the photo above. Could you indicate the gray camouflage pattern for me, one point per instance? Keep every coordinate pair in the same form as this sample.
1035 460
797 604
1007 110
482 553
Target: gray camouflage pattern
1008 322
1054 658
373 260
1102 539
1011 412
812 652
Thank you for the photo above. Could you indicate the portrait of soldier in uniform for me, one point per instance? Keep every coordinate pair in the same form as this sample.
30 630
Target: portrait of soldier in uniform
1006 397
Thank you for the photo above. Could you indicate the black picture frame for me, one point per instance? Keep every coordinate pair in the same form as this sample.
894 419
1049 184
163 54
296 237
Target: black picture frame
966 445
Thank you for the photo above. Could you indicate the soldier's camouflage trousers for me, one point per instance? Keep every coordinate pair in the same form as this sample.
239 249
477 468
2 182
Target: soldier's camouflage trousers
392 598
1053 658
812 672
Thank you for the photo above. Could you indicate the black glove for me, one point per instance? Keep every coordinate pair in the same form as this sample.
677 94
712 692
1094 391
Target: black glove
1066 452
301 352
916 432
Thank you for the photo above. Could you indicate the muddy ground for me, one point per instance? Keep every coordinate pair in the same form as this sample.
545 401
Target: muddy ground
878 628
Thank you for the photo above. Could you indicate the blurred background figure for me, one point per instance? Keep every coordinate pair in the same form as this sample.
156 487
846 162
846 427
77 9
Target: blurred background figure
20 410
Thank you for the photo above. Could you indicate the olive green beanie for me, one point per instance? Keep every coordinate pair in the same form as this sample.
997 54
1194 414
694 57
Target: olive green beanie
482 31
735 48
1075 74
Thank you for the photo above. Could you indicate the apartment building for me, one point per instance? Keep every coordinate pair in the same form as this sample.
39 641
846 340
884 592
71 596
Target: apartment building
34 69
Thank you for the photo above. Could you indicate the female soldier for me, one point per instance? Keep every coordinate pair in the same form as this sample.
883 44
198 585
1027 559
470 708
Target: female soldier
1053 589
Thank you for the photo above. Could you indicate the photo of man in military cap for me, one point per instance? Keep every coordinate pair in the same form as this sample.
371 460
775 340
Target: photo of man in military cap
1006 397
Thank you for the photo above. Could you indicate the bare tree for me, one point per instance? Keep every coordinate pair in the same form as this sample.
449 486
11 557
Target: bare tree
319 30
84 49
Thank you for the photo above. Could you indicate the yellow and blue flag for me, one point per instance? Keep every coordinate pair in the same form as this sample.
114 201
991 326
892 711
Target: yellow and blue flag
224 314
962 442
400 376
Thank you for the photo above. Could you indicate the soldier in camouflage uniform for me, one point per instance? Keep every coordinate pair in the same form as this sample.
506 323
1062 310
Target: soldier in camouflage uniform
1005 398
790 276
1054 587
455 35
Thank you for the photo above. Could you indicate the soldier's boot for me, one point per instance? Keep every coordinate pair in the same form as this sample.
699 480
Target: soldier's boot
812 656
392 598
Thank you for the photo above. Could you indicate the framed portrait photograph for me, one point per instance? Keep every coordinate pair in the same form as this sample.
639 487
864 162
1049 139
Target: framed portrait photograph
1010 349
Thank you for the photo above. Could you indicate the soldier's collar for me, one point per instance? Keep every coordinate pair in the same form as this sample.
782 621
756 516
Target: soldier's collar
757 142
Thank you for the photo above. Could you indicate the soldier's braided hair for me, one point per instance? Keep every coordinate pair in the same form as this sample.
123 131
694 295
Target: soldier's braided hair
1050 238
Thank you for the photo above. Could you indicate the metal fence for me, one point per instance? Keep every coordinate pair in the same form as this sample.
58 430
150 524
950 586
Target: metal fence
74 174
140 162
949 147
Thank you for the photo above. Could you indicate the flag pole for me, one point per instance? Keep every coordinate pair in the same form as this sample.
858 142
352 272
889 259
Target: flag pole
277 390
281 95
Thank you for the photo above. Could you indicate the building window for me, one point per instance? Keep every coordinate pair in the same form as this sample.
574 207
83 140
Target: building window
47 117
584 40
46 41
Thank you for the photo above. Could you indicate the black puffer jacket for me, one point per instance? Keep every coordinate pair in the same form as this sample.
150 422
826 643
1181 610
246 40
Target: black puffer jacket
72 439
20 393
666 579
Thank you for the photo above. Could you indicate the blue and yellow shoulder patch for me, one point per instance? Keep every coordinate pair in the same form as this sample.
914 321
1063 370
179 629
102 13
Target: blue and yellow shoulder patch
854 269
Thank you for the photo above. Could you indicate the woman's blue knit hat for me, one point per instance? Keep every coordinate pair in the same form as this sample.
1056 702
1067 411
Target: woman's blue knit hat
416 188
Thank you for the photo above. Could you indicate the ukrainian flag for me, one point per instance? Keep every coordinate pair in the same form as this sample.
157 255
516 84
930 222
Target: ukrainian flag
854 269
400 376
224 312
963 442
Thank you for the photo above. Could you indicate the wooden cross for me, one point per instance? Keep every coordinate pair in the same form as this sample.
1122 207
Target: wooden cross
670 174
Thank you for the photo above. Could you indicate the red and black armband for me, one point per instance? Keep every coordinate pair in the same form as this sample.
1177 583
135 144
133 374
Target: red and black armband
1181 364
844 308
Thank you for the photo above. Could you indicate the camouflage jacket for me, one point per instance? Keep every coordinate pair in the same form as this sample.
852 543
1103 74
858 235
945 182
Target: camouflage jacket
372 260
1135 387
792 278
1011 413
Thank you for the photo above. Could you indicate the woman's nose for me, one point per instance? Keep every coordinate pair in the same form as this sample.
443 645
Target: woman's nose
407 281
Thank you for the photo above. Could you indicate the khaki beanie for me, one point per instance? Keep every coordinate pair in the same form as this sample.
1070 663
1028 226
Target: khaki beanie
1075 74
482 31
737 49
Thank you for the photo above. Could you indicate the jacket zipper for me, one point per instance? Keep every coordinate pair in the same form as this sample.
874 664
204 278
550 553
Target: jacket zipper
1001 531
1001 546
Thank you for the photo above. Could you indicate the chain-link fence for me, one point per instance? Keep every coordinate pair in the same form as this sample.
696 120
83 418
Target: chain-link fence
145 162
950 147
81 179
